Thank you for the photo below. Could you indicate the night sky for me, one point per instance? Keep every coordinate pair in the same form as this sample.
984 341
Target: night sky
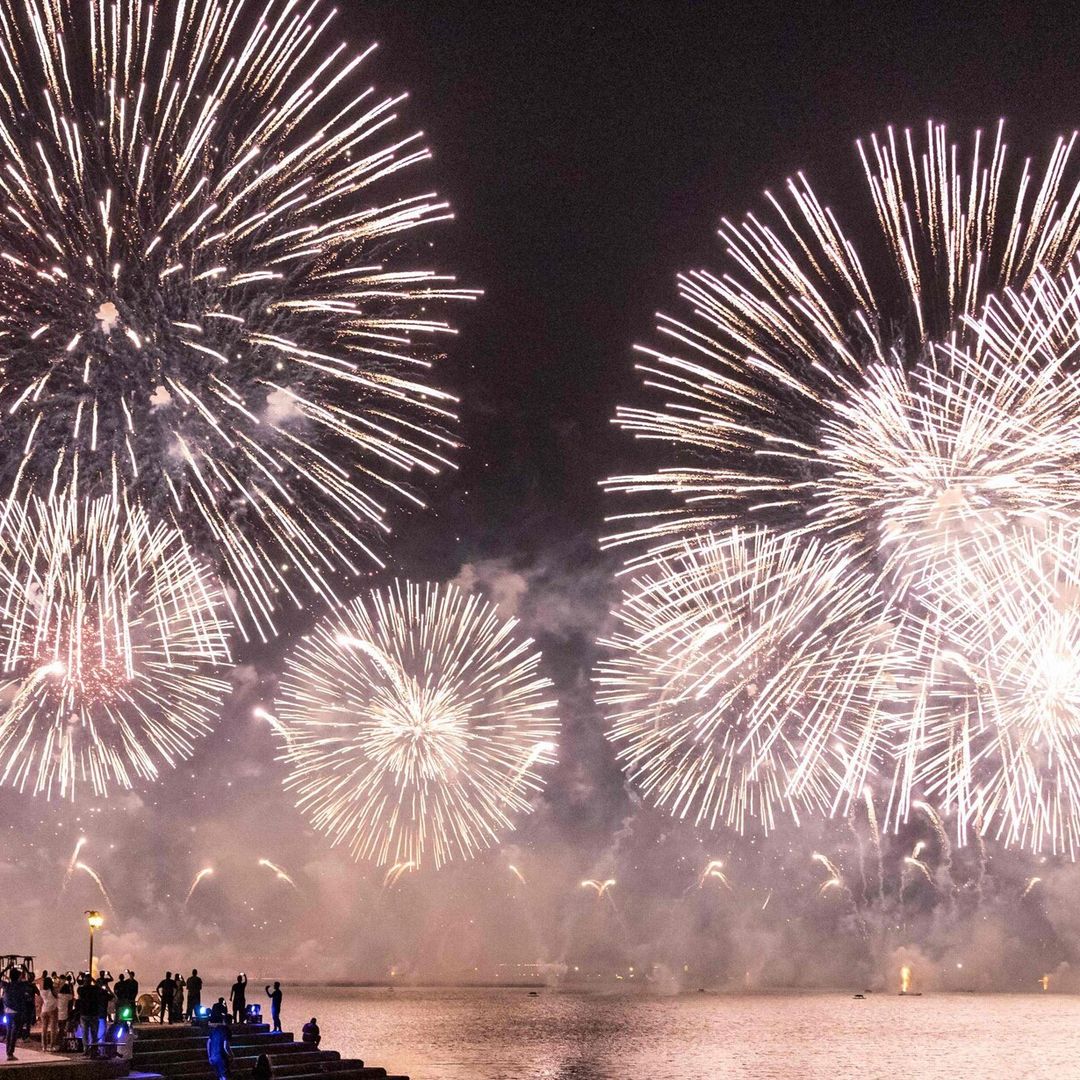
589 151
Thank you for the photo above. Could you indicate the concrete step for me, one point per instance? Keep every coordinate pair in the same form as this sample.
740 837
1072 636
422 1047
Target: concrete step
154 1030
329 1067
363 1073
335 1070
152 1055
197 1040
241 1061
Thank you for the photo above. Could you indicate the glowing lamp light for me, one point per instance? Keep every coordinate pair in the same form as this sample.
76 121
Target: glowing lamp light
95 920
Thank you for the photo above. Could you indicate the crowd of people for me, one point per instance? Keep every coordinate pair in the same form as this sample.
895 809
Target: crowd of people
78 1011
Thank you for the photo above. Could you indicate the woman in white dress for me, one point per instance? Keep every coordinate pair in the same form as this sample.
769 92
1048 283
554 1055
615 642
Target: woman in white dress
50 1011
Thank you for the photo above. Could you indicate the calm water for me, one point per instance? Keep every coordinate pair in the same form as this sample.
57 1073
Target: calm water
563 1035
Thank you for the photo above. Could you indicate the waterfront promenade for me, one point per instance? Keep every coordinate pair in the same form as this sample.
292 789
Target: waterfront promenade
178 1052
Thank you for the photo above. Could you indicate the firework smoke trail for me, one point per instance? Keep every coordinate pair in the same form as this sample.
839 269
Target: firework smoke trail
211 297
97 881
113 634
744 679
206 871
942 839
857 840
417 744
914 861
804 394
72 862
278 872
980 877
835 879
875 835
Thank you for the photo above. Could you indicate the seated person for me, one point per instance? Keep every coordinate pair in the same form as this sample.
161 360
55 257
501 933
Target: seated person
312 1035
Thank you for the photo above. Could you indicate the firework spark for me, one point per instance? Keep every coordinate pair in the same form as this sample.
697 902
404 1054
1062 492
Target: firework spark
921 420
989 723
110 635
416 722
396 872
279 873
599 887
97 881
205 872
517 873
210 293
744 679
73 861
714 870
807 396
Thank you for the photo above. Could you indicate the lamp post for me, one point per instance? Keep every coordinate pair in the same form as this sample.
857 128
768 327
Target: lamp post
95 920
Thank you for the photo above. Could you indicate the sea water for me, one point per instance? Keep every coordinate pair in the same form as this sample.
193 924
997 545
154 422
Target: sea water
506 1034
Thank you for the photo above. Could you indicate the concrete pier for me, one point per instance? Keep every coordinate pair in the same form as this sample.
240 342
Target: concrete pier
178 1052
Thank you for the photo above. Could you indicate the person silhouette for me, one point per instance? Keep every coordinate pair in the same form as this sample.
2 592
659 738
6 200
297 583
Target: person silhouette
194 994
275 1005
218 1048
166 989
238 997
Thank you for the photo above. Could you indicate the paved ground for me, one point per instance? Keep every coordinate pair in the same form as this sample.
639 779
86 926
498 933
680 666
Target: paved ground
24 1054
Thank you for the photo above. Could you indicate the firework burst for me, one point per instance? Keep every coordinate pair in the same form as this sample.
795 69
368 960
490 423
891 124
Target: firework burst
208 297
415 721
110 638
991 729
803 395
745 678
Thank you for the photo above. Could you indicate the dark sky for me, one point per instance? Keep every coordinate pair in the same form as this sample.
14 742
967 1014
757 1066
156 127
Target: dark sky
589 151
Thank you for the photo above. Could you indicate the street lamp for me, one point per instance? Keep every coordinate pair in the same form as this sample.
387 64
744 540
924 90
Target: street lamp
95 920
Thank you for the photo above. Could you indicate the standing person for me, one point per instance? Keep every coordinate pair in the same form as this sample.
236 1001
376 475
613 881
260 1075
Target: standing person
13 999
218 1049
30 996
50 1004
133 990
176 1007
64 997
238 997
275 1005
194 994
89 1013
165 990
122 991
105 998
